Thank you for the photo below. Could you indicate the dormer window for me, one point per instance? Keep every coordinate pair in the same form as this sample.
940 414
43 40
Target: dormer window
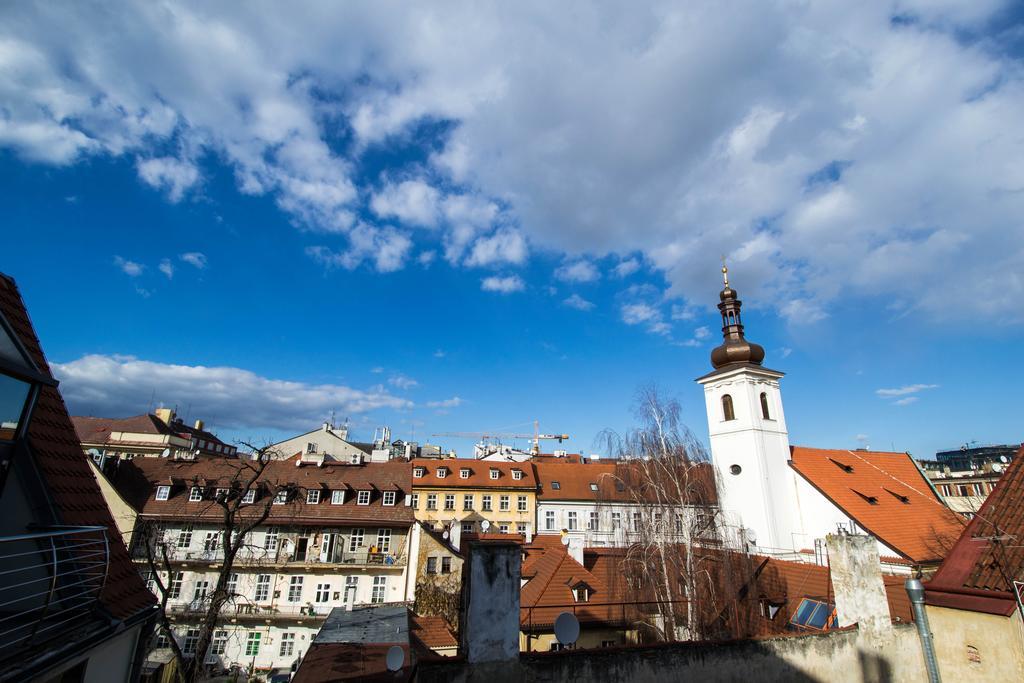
517 474
163 492
389 498
337 497
418 472
311 447
581 593
195 494
220 494
555 485
313 496
495 473
363 498
250 496
464 473
728 413
593 486
764 406
281 498
442 472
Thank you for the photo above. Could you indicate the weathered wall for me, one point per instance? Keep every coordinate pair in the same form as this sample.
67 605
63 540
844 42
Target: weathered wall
491 607
837 656
857 582
589 638
973 646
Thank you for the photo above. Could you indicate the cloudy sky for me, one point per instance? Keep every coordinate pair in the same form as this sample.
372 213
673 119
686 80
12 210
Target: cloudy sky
467 217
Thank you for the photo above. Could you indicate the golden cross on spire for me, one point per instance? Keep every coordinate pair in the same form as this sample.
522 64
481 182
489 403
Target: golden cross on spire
725 273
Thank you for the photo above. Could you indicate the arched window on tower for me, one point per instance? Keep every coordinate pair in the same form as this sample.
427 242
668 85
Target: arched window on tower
727 411
764 406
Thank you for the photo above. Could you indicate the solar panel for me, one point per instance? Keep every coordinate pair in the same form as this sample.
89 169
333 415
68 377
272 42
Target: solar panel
813 614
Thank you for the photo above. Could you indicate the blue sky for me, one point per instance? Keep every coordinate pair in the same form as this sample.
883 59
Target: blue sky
262 219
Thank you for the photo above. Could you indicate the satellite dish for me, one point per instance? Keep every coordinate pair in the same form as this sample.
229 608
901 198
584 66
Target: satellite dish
445 535
997 467
567 628
166 452
1003 458
485 525
395 658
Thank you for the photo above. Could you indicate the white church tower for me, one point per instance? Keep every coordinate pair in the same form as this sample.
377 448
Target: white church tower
749 441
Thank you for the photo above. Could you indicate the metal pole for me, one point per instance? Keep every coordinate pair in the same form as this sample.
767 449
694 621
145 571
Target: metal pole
915 589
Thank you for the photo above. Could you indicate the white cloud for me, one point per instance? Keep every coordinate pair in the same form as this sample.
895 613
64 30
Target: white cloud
174 176
504 285
905 401
626 268
439 353
194 258
578 302
453 402
386 248
504 246
167 268
577 271
425 258
226 397
635 314
413 202
130 268
702 333
905 390
402 382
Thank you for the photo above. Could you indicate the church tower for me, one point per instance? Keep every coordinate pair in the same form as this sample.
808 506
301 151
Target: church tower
749 441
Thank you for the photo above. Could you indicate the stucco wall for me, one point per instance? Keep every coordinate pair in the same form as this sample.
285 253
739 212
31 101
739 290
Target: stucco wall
972 646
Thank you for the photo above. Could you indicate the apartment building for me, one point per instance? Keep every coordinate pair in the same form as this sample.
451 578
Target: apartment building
336 535
479 496
158 434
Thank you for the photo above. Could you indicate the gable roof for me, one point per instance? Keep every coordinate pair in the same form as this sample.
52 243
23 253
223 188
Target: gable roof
979 571
574 480
73 489
479 474
432 631
548 592
886 494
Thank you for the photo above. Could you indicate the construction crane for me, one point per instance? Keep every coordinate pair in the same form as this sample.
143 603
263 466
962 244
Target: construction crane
536 437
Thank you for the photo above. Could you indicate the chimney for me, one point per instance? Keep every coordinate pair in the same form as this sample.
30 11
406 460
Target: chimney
165 415
455 534
489 627
575 548
199 425
857 583
326 426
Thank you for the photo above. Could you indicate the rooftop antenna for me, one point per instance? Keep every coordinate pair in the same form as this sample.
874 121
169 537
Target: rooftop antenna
332 419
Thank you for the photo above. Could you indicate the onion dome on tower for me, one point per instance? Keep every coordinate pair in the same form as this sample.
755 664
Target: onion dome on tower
735 349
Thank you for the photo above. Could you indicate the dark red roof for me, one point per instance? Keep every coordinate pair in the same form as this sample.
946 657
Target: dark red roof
432 631
978 573
137 480
479 474
98 429
328 662
887 495
69 479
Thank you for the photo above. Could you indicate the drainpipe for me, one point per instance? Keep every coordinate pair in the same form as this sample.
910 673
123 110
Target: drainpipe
915 589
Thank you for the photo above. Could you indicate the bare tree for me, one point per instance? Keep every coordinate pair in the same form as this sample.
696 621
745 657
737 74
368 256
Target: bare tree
236 514
674 567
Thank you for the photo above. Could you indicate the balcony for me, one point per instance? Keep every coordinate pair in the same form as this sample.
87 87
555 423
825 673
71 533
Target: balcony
313 559
50 581
250 610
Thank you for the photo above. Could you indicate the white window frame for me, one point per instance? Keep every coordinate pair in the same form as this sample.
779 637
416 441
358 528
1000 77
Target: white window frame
281 498
572 520
295 589
503 528
337 497
355 539
517 474
195 494
495 473
467 527
384 540
504 503
449 501
249 497
467 502
550 523
389 498
463 473
185 536
431 501
217 492
191 640
323 593
271 539
363 497
163 492
287 644
485 503
442 472
312 496
418 472
522 503
219 642
310 447
379 582
594 523
262 591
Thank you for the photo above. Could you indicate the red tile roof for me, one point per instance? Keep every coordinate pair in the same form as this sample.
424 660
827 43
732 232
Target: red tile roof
575 481
328 662
137 480
979 571
548 592
67 474
887 495
479 474
432 631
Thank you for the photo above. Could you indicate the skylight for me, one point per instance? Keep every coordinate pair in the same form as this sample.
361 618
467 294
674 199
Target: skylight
813 615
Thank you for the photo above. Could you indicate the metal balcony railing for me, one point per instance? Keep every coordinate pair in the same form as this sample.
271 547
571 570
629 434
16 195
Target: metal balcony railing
259 556
49 579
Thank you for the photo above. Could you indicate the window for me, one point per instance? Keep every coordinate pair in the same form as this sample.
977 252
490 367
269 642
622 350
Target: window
495 473
485 503
963 490
521 529
295 589
418 472
581 594
464 473
195 494
592 524
517 474
287 644
191 640
211 542
467 527
467 501
200 590
431 501
383 540
636 521
252 644
503 528
174 585
608 643
572 520
616 520
351 588
355 541
449 501
521 503
281 498
446 565
250 496
312 496
389 498
163 492
593 486
380 584
220 494
162 641
185 536
311 447
442 472
219 642
764 406
323 592
727 411
504 503
431 565
549 520
813 615
270 539
679 522
363 498
262 587
555 485
337 497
